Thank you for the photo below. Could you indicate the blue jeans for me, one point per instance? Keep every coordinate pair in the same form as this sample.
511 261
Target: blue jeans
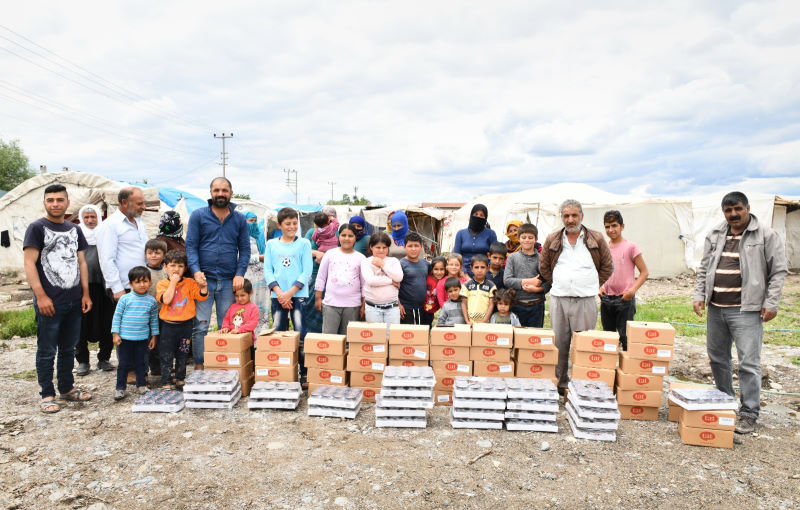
531 316
726 327
615 314
132 355
57 336
220 291
280 321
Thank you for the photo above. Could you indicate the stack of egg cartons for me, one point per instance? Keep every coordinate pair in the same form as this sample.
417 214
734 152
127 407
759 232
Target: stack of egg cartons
231 351
274 395
708 416
478 403
532 404
159 401
212 389
335 402
406 395
592 410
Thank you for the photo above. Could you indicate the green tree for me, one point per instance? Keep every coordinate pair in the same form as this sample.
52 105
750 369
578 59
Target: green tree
242 196
13 165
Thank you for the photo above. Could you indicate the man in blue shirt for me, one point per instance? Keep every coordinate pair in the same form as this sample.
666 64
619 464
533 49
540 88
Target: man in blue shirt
218 251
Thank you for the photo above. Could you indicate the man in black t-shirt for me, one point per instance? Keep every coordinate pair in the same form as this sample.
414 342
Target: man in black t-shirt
57 272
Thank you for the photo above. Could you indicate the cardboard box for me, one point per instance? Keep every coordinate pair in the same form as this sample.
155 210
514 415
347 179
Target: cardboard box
675 410
449 352
638 413
442 398
642 366
458 335
412 352
408 363
714 420
452 368
534 338
595 341
247 385
366 379
706 437
481 353
594 374
651 351
639 381
320 343
278 341
356 363
650 333
538 356
325 361
370 332
492 335
444 382
607 360
639 398
275 359
226 359
536 370
228 342
371 349
368 393
408 334
493 368
288 374
326 376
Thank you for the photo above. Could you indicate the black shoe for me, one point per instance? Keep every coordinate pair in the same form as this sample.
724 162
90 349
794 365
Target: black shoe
83 369
745 425
105 365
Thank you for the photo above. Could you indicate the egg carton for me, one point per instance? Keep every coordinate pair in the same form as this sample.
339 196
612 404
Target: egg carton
479 387
599 401
209 404
415 377
595 413
272 403
532 425
212 380
594 391
407 392
592 435
223 396
590 423
543 406
526 388
332 412
401 422
276 390
406 402
479 403
465 423
478 414
699 399
339 397
159 401
397 412
530 415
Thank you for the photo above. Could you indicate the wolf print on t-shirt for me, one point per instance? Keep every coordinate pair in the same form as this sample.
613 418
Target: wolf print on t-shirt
59 258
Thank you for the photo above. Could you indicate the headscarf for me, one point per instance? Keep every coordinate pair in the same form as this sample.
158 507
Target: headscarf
256 229
89 233
476 225
330 211
358 220
170 225
513 239
399 236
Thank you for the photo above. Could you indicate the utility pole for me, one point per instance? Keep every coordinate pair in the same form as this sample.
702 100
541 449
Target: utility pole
331 183
223 137
291 183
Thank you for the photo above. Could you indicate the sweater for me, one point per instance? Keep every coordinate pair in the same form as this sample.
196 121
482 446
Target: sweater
521 266
136 317
288 264
468 245
451 314
378 282
182 307
243 318
339 276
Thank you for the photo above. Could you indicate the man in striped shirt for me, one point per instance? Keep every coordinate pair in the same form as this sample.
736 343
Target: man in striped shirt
740 279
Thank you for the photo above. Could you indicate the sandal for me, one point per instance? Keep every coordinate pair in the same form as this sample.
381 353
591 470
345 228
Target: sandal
49 406
166 387
76 395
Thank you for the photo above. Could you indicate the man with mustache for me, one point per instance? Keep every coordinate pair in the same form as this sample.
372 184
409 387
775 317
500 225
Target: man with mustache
121 239
740 279
576 261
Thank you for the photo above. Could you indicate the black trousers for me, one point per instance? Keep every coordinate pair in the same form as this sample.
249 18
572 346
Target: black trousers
615 314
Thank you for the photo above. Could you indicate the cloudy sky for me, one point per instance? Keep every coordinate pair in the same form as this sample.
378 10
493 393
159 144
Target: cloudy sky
412 101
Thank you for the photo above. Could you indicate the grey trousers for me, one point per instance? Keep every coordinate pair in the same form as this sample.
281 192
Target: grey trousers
568 314
336 318
726 327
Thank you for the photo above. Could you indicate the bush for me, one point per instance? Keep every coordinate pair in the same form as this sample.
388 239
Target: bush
17 323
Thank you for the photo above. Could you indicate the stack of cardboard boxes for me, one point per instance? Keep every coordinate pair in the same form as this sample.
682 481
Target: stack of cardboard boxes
536 353
491 350
594 356
450 348
325 357
640 376
409 345
708 416
276 357
367 356
231 351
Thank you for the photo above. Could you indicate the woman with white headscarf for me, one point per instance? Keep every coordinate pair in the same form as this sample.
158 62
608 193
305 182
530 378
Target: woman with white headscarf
96 325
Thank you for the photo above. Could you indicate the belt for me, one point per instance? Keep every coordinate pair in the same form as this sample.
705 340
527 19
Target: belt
530 303
385 306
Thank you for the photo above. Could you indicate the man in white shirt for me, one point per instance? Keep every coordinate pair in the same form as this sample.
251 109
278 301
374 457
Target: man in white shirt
121 239
576 261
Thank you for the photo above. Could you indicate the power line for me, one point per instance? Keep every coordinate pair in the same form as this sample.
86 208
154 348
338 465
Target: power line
182 174
223 137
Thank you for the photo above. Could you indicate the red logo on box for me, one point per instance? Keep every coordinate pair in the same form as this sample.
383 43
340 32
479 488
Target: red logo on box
366 347
365 362
369 377
650 350
222 358
324 374
273 373
323 344
272 356
538 355
593 374
641 381
408 350
595 358
369 393
322 359
646 364
639 396
408 335
493 367
637 410
222 342
651 333
449 336
491 338
407 363
598 342
447 381
534 340
710 418
274 342
488 352
448 351
451 367
535 369
366 333
707 436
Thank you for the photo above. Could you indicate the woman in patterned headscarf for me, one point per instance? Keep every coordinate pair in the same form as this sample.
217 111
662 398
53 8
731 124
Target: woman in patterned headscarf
511 232
170 230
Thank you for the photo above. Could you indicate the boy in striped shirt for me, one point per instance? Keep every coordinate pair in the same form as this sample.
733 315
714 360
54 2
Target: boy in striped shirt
134 328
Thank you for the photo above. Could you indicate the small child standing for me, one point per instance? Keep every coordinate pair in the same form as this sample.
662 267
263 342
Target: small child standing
177 295
339 276
325 233
381 276
454 268
504 300
522 274
436 273
242 316
478 292
134 328
415 275
497 261
451 313
154 252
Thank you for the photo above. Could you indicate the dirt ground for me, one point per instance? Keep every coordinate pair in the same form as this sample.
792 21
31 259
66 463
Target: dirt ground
101 455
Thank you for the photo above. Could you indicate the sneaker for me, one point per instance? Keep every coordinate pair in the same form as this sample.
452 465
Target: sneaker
119 394
105 365
142 390
83 369
745 425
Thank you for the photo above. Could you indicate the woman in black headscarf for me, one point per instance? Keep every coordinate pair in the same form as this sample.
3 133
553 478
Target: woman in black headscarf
476 238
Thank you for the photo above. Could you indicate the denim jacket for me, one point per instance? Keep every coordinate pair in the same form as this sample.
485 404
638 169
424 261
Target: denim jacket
218 249
762 260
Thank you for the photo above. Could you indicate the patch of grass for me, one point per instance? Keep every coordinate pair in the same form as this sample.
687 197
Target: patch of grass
795 360
17 322
28 375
